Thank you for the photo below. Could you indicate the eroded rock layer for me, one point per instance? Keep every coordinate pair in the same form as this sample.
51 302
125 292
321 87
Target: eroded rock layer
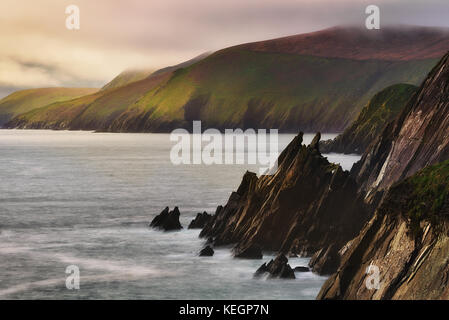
407 241
308 206
419 137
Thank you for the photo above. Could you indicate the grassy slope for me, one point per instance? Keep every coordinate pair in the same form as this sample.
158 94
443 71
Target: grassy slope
117 99
245 88
236 87
309 82
25 100
127 77
373 118
104 105
421 196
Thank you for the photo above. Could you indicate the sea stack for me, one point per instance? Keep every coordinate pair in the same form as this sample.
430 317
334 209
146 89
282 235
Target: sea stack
167 220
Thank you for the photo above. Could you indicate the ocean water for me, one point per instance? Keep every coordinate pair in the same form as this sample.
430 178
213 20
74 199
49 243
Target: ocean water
85 199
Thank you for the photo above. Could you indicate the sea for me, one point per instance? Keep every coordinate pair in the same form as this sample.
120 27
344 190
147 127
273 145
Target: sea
83 200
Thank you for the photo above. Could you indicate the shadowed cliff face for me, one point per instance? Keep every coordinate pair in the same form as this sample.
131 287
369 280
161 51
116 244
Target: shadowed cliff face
408 236
407 239
309 207
419 137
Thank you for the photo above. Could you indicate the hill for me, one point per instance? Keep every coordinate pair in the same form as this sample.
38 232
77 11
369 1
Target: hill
300 82
126 77
374 117
391 43
130 76
26 100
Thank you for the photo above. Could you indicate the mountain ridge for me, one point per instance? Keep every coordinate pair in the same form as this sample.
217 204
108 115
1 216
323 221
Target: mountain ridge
246 86
359 43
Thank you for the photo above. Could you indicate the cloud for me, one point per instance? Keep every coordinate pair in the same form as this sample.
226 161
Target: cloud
37 50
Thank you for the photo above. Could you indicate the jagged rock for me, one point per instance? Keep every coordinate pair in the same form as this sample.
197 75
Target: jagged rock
252 252
307 205
167 220
207 252
407 240
301 269
277 268
326 260
417 138
315 144
262 270
200 221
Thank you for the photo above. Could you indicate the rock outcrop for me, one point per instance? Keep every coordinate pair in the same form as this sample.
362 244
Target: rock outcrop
417 138
200 221
251 252
308 206
383 108
407 240
277 268
301 269
207 251
167 220
406 243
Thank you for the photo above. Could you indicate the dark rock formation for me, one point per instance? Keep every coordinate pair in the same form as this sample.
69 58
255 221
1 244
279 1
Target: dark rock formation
277 268
167 220
251 252
417 138
407 240
307 206
200 221
326 260
383 108
408 237
301 269
207 252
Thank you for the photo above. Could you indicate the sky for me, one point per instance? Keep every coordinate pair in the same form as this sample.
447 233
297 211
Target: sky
37 50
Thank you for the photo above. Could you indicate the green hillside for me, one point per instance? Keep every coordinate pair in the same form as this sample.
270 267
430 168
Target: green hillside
127 77
242 88
422 196
106 105
25 100
373 118
294 83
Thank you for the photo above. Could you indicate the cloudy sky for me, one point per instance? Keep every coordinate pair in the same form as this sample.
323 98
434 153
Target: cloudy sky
37 50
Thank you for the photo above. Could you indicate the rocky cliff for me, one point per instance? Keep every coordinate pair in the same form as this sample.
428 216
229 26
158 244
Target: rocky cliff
308 206
407 240
408 237
417 138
